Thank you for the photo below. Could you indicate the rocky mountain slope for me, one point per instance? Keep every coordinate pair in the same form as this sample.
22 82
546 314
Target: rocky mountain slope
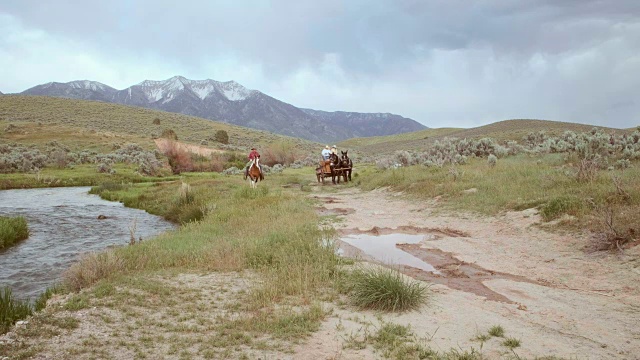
232 103
367 124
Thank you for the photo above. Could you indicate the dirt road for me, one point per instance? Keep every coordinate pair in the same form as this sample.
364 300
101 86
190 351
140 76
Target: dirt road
543 288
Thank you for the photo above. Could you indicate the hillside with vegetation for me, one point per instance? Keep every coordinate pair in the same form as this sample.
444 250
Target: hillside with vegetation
502 132
84 124
57 139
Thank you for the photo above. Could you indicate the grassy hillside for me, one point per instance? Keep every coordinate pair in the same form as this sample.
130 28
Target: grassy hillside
97 126
501 131
416 135
93 125
516 129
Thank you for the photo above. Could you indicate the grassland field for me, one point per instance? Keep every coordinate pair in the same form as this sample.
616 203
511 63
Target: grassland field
265 247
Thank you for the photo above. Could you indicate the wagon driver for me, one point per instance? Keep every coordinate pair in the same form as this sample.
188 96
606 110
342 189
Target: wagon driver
326 153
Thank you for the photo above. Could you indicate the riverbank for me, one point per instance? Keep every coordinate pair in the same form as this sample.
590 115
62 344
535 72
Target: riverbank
266 241
79 175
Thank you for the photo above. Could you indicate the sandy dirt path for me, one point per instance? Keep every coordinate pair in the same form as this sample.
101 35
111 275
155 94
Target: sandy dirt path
541 287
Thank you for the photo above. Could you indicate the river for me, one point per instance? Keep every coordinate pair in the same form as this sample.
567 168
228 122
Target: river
63 224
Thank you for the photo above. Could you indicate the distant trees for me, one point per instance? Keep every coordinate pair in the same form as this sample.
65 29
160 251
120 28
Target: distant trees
169 134
221 136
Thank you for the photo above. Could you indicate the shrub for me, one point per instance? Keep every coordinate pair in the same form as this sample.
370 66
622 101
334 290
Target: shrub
185 194
492 160
179 158
623 164
221 136
387 290
148 164
169 134
12 230
282 152
232 171
59 158
587 170
191 213
560 205
11 309
277 168
103 168
156 121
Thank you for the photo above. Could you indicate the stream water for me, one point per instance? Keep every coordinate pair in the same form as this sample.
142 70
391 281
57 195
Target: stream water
63 224
383 248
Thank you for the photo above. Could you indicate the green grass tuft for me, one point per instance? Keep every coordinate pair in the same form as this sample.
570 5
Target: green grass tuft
41 301
559 206
511 343
497 331
11 309
12 230
386 290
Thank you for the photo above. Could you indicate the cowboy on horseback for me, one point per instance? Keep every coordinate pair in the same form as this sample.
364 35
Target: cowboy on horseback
254 157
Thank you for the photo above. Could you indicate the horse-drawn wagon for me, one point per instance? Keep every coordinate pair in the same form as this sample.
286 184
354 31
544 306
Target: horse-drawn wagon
335 168
325 169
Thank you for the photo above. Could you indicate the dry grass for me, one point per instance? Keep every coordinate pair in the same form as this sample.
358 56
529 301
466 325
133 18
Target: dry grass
606 203
91 268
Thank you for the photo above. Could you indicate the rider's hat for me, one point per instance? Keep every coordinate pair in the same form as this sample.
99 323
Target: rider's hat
335 147
326 147
253 148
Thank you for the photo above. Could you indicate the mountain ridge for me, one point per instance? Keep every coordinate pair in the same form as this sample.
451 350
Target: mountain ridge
233 103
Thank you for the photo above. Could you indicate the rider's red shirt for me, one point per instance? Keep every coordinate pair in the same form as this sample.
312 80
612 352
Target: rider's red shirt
253 155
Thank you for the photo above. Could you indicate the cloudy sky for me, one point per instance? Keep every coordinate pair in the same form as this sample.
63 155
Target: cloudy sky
456 63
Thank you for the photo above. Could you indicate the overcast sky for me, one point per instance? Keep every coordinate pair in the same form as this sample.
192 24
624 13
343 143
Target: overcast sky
444 63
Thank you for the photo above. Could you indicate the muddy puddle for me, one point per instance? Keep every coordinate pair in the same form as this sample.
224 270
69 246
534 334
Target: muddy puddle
404 251
383 249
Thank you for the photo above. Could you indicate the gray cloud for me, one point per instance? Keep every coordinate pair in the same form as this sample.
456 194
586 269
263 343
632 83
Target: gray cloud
442 62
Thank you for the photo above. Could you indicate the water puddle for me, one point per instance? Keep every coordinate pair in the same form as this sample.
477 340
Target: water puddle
404 251
383 248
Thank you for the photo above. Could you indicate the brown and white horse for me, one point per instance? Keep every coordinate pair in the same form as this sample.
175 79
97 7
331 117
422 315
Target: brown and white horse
254 174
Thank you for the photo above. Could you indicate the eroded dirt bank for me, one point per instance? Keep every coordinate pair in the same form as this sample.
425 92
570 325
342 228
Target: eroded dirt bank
542 287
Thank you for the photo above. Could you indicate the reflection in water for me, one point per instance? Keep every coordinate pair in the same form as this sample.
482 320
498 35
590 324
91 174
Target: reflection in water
63 223
383 248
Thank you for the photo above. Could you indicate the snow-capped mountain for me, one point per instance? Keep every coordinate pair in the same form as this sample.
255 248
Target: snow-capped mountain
233 103
80 89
